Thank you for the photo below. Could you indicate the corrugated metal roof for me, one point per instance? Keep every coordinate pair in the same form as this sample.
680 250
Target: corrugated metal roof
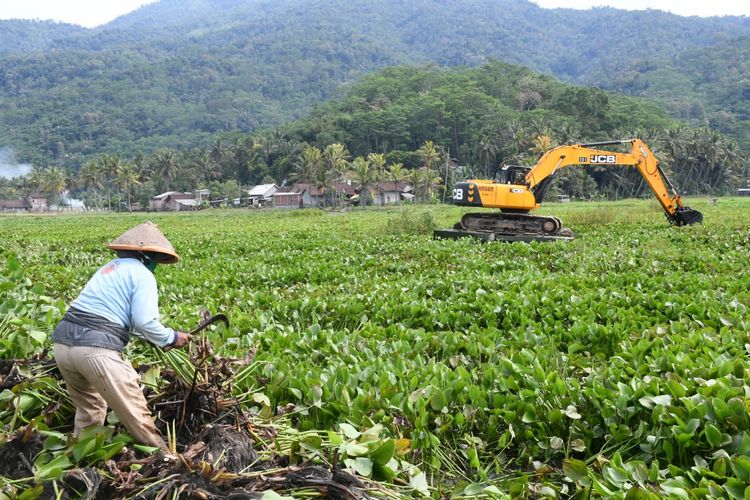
187 202
261 190
401 187
14 204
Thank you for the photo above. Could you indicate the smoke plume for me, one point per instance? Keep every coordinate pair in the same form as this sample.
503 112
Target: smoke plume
8 166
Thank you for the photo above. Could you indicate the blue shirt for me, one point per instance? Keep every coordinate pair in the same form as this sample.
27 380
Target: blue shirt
124 292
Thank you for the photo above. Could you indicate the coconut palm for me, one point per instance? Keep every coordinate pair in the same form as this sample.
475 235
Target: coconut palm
397 173
415 178
55 182
335 158
110 167
487 151
429 155
309 163
129 178
364 175
90 179
432 181
377 163
203 166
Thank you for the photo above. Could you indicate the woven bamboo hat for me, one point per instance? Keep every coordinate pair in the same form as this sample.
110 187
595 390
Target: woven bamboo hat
146 237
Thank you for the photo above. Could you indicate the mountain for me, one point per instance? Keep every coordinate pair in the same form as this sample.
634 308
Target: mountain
701 85
20 37
177 72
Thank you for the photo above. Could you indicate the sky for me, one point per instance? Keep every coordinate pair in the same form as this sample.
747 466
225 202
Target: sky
89 13
92 13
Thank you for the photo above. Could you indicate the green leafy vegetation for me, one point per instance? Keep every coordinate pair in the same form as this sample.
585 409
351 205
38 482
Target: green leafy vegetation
612 365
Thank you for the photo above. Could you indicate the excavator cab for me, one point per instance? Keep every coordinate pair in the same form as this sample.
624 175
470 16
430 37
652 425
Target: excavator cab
511 174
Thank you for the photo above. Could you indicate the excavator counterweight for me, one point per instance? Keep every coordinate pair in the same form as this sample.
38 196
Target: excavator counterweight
517 190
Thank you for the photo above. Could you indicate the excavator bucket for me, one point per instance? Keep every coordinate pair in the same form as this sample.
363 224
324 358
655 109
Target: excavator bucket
686 216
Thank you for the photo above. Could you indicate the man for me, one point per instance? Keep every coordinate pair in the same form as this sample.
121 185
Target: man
120 299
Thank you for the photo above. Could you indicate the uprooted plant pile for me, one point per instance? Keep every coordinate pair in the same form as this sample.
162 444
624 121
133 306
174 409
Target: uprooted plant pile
224 442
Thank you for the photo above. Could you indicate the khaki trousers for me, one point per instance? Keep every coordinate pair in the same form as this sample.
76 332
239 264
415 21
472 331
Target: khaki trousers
97 377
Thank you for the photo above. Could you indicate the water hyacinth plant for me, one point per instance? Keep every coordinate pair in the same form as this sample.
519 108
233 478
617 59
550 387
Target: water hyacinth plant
614 365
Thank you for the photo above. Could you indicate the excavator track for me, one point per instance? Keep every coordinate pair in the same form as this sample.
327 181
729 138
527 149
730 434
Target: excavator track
500 226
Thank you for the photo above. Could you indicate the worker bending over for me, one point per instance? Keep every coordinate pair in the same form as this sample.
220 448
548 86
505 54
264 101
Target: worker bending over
120 299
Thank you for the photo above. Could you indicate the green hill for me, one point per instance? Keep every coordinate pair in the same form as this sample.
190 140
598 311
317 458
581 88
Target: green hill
176 73
708 86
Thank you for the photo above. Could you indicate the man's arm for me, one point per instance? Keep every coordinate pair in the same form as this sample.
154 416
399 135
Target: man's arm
144 313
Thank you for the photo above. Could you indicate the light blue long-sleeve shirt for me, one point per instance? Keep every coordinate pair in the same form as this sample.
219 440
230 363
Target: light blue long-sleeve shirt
124 292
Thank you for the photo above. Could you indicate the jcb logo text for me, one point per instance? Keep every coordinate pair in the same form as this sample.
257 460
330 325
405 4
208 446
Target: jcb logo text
602 158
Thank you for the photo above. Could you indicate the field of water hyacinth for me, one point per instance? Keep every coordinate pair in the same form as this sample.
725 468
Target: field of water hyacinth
614 365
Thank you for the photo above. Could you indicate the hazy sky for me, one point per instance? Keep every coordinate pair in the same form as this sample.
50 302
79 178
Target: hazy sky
92 13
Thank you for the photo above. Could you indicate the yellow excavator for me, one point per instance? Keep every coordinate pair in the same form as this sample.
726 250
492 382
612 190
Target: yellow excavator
517 190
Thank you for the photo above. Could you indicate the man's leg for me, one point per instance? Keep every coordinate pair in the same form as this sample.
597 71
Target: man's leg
118 383
91 409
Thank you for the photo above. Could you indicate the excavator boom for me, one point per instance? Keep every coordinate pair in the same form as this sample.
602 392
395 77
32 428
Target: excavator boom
519 190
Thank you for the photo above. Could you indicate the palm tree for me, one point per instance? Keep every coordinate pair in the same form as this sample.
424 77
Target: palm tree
37 179
323 179
415 179
377 162
205 166
306 167
429 154
55 182
542 144
110 167
432 181
129 178
335 158
487 151
364 176
398 174
90 179
166 166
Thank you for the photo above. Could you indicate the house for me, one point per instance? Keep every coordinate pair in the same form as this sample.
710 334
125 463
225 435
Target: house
15 205
38 202
388 192
287 198
202 195
261 195
313 196
71 204
173 201
32 203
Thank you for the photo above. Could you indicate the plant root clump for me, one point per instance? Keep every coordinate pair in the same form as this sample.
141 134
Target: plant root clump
215 439
17 455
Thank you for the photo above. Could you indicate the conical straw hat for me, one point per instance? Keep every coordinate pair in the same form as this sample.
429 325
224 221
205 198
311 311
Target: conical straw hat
146 237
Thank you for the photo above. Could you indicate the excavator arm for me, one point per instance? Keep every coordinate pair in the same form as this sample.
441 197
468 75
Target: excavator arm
640 156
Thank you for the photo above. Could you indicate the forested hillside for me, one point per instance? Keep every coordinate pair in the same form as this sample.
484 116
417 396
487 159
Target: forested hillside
429 126
177 73
707 85
18 37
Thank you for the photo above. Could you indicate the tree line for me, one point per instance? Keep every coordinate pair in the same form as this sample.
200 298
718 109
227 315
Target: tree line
432 126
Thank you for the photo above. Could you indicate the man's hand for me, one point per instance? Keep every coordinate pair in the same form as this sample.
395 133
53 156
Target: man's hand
181 339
